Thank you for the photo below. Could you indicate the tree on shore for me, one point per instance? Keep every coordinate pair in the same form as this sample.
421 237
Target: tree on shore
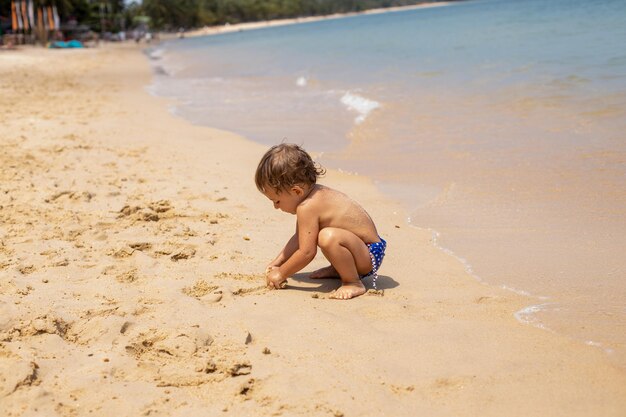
172 14
114 15
98 14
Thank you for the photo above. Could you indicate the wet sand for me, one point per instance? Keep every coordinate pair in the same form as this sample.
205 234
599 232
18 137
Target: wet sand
532 201
131 258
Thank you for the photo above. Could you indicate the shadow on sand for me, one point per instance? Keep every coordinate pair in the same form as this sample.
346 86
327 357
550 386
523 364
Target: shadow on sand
327 285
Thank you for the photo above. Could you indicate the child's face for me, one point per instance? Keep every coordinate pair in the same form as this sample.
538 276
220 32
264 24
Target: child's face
286 200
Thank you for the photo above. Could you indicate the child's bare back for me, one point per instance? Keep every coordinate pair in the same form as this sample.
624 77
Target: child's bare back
335 209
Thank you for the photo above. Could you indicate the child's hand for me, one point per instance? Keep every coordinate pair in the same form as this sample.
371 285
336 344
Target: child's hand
274 278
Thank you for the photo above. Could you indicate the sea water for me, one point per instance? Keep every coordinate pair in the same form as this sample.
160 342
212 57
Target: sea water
500 124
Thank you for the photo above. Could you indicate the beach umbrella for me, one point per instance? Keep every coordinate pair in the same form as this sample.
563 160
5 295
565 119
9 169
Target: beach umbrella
18 13
40 21
13 17
50 18
25 15
55 17
45 18
31 14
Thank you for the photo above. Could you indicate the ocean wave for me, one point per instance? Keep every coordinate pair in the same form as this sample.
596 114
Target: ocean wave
155 54
363 106
159 70
527 315
167 67
163 62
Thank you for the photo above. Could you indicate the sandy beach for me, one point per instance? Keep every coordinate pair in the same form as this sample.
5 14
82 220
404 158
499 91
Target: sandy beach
132 250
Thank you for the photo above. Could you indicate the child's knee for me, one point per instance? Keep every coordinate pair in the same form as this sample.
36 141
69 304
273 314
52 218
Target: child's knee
326 237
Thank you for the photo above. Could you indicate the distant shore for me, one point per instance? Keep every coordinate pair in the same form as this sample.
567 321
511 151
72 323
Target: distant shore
240 27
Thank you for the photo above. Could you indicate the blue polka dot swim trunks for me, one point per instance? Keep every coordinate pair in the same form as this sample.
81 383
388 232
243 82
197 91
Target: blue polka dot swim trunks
377 253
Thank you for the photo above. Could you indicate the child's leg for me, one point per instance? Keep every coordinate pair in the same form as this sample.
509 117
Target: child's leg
326 272
349 257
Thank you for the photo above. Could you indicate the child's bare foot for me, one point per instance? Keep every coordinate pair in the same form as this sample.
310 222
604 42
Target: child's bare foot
347 291
328 272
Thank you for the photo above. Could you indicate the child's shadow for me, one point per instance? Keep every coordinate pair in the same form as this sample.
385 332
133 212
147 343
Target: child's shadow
330 284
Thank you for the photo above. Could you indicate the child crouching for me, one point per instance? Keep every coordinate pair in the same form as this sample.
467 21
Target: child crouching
325 217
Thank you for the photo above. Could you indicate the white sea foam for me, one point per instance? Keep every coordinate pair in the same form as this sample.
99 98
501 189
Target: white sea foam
522 292
167 67
152 89
363 106
527 315
435 242
301 82
515 290
163 63
599 345
156 53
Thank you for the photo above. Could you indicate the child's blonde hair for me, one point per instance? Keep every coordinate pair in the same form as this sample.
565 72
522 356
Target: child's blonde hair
284 166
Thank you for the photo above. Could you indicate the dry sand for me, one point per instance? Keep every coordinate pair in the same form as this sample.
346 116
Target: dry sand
132 246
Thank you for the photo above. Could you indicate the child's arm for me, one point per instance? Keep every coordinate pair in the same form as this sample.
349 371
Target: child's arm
308 229
286 252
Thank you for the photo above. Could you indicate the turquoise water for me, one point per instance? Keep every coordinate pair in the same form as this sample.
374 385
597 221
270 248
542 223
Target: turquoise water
566 48
498 123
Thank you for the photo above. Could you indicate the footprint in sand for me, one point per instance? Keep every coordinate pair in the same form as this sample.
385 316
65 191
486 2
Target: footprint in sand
26 269
141 246
46 324
146 305
448 385
188 357
241 277
400 389
96 326
261 289
203 291
214 218
152 212
184 231
183 253
161 206
125 326
60 263
127 277
489 300
15 373
121 252
176 252
85 196
154 343
246 388
251 278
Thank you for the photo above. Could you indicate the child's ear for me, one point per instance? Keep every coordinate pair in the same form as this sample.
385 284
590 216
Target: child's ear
297 190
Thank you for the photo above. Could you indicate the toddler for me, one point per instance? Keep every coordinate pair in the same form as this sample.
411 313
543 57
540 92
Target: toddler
325 217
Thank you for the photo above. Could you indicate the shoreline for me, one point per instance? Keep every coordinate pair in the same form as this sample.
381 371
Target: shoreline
132 251
597 338
589 322
525 315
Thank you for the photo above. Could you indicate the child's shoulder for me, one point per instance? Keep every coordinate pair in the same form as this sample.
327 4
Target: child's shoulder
324 190
324 194
325 197
319 198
